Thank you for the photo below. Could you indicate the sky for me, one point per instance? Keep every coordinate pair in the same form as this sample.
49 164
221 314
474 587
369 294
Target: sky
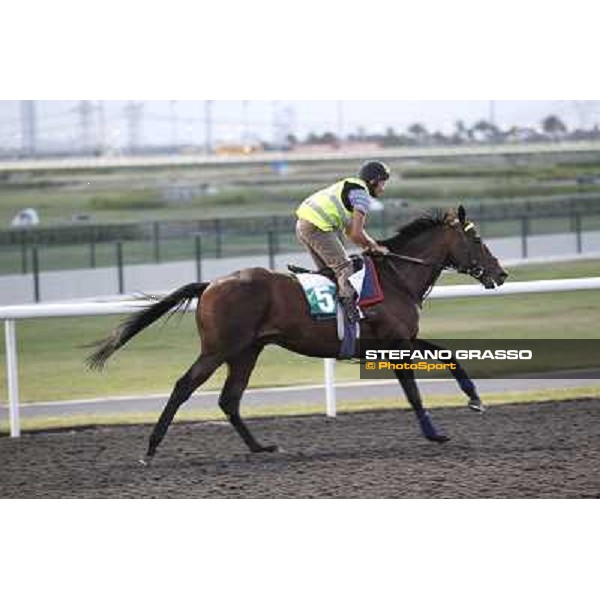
164 122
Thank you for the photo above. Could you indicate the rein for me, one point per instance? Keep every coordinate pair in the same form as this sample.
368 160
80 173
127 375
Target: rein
418 261
410 259
400 280
475 271
404 257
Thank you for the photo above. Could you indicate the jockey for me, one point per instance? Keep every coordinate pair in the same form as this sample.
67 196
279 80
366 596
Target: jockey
342 208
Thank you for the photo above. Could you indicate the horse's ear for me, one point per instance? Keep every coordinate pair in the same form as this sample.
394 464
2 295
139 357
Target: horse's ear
462 214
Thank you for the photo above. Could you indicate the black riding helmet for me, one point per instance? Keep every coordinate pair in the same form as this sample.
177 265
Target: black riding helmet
372 172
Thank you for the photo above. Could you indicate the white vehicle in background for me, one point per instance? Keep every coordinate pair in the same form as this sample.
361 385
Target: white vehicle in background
27 217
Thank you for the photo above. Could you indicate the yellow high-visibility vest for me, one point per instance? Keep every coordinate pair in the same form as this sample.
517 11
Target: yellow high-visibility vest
325 209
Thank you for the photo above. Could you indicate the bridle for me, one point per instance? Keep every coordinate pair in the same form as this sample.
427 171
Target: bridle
475 270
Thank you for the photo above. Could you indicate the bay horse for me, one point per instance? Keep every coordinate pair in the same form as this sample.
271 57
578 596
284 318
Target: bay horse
239 314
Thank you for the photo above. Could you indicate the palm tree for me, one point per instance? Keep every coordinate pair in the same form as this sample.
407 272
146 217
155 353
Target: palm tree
460 130
487 129
553 126
418 131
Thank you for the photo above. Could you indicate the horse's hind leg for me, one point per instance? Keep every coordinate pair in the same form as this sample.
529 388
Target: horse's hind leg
240 369
409 385
196 375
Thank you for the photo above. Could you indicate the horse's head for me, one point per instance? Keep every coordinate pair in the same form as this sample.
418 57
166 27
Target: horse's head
468 254
447 239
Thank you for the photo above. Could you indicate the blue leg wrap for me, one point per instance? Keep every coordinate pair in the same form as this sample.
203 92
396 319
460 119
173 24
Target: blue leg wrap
427 426
468 387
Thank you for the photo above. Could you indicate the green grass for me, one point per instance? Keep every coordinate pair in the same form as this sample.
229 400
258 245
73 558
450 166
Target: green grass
275 410
51 358
129 195
137 195
126 205
570 315
51 361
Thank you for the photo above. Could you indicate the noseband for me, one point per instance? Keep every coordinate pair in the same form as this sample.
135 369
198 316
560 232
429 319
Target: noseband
475 271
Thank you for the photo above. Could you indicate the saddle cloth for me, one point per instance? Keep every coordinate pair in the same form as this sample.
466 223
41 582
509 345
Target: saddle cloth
321 291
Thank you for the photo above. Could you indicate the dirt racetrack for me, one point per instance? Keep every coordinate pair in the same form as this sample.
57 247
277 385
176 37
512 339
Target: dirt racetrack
549 449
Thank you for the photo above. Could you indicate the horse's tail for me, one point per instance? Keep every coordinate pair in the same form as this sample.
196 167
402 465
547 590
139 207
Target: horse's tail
140 320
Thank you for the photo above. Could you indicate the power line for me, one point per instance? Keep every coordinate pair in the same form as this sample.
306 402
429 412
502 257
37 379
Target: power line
102 127
174 132
85 110
208 125
133 114
28 127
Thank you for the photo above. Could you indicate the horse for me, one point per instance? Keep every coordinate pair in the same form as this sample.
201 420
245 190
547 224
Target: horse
239 314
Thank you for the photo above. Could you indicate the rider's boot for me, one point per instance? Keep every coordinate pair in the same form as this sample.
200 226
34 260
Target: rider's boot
349 305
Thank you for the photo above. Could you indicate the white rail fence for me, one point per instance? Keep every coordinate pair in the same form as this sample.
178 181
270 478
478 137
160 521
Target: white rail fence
11 314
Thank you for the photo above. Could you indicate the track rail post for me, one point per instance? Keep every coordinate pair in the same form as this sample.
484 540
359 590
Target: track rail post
330 404
12 377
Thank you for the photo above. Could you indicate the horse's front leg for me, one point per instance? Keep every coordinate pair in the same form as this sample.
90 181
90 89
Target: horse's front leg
460 374
409 385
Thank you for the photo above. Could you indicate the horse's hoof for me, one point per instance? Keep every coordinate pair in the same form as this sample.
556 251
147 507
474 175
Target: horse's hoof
429 430
438 438
146 461
476 406
270 448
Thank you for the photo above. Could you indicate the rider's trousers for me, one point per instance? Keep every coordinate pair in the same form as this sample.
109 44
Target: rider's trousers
327 250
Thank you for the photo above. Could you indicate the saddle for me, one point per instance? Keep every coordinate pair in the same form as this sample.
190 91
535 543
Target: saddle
371 288
320 291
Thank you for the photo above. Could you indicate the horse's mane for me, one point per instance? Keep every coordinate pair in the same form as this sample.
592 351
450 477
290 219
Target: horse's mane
427 220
